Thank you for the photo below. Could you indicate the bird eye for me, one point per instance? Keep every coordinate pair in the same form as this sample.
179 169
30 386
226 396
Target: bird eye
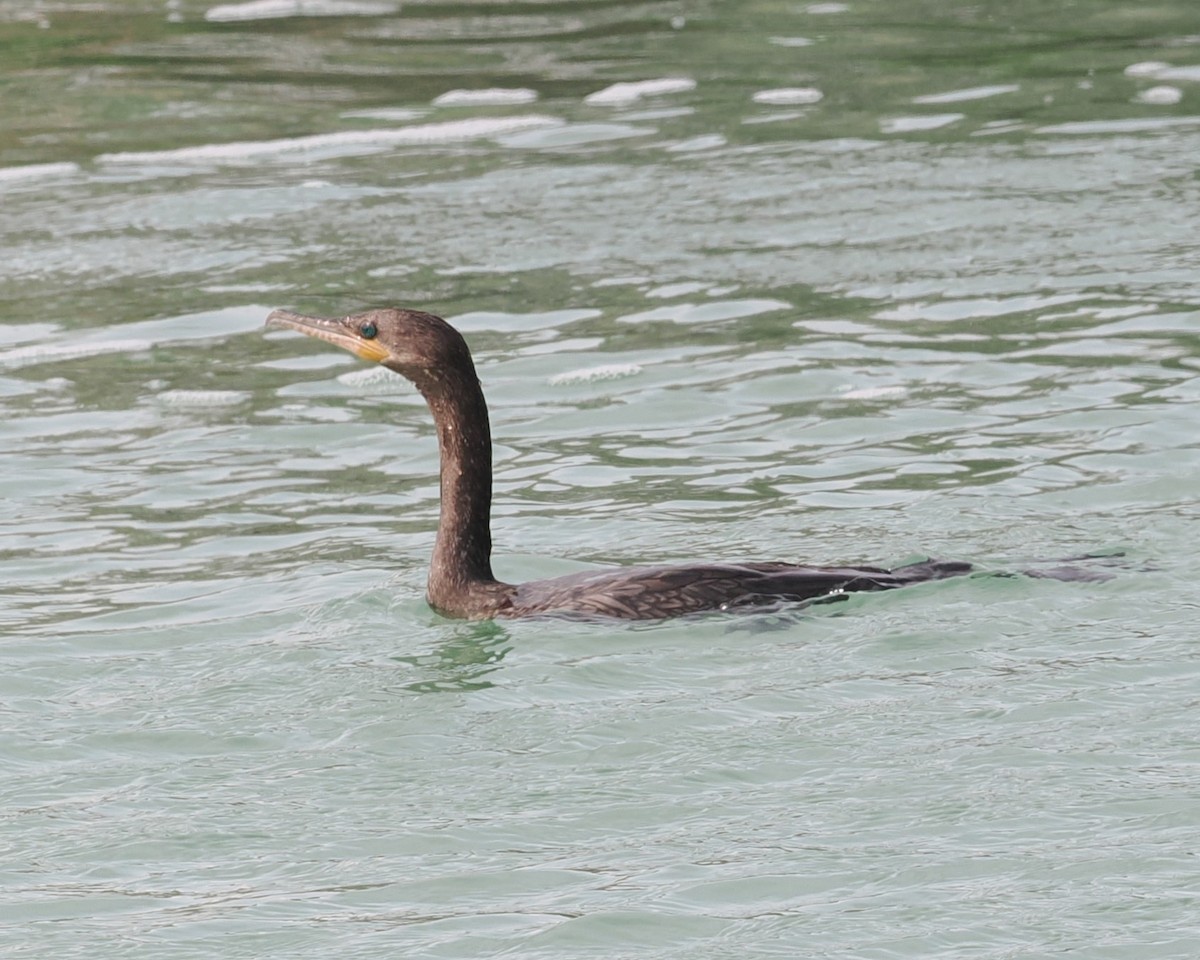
368 330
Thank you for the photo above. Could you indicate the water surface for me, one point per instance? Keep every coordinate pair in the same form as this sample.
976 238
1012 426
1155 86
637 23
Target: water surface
828 282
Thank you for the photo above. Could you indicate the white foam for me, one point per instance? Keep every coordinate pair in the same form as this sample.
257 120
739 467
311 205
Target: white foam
67 350
714 311
682 289
619 281
776 117
657 113
492 96
1160 96
873 393
788 95
707 141
201 398
1119 126
522 322
609 371
968 93
35 171
620 94
996 127
375 379
384 113
572 135
913 124
790 41
1147 68
277 9
954 310
821 8
1157 70
346 142
1180 73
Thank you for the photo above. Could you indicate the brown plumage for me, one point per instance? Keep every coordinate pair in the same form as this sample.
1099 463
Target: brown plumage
435 358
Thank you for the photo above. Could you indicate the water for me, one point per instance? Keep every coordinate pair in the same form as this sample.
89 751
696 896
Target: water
853 282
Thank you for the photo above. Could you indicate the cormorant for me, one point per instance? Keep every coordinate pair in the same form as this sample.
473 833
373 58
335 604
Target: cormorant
434 357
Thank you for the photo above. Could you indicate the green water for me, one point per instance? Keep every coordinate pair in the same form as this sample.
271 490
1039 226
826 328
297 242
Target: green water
862 282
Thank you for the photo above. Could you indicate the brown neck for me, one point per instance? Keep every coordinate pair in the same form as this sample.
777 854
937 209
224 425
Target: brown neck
461 569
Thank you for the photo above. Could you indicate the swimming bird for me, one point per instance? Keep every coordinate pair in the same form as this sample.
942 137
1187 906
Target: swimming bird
431 354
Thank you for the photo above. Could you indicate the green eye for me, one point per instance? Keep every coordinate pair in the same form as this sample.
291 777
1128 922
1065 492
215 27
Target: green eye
368 330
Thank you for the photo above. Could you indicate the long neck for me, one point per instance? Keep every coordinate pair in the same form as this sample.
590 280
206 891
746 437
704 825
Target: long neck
463 550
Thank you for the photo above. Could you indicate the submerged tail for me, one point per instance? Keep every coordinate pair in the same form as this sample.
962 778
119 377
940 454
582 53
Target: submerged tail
832 585
1069 570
